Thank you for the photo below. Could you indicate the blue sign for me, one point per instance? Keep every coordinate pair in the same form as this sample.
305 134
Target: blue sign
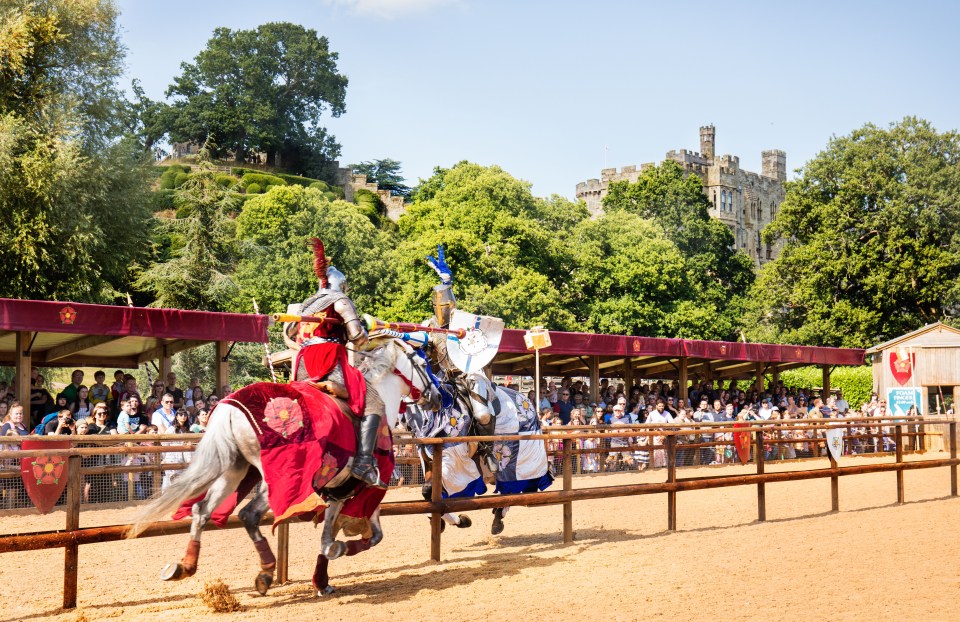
899 401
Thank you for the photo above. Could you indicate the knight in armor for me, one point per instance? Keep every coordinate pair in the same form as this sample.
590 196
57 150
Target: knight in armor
444 304
323 361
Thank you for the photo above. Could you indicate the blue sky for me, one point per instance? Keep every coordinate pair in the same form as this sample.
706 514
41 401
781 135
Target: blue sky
553 90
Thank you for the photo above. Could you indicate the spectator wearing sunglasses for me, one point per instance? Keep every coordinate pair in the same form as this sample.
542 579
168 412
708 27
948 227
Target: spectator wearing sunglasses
164 416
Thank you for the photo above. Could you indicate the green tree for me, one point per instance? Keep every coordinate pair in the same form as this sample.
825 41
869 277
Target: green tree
276 265
717 274
385 173
500 240
629 276
262 90
71 191
197 275
871 243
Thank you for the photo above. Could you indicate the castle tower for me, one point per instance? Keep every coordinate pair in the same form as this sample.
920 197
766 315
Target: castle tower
774 164
708 139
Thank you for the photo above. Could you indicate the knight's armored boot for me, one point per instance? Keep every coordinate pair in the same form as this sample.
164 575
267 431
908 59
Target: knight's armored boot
364 464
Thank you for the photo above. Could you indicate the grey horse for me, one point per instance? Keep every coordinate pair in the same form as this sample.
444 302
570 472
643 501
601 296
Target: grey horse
229 448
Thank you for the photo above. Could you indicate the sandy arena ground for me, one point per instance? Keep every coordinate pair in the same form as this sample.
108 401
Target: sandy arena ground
874 560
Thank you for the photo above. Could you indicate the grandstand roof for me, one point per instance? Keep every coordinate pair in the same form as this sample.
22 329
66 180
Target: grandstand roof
69 334
652 357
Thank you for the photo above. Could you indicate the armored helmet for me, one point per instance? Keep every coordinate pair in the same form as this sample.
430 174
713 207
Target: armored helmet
444 303
336 280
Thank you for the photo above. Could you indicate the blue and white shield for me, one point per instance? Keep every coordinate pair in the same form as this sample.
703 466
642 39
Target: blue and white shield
835 442
475 350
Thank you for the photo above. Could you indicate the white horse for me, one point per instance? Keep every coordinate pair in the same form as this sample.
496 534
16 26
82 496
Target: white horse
229 449
522 465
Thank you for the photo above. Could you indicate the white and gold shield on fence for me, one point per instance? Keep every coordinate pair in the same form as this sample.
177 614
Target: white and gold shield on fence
476 349
835 442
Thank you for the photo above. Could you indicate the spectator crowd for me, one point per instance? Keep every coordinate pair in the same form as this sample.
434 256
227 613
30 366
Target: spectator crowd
568 403
103 409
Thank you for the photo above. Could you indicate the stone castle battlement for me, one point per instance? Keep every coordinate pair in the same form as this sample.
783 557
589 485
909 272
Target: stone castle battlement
745 201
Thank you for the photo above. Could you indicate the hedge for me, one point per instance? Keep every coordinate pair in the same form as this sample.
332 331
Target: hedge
254 188
296 180
162 200
261 179
856 382
225 181
167 178
180 179
320 185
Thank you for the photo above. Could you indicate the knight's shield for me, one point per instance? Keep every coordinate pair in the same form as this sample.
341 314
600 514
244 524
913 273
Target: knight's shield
741 441
44 477
835 442
476 349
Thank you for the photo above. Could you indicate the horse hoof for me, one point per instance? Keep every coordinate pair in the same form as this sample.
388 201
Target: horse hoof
263 583
497 527
336 549
172 572
327 591
464 521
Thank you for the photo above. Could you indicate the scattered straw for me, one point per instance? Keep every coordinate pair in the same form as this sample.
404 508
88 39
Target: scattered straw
81 616
217 596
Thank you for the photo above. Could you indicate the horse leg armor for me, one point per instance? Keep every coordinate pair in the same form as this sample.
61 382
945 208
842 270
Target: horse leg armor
216 494
250 515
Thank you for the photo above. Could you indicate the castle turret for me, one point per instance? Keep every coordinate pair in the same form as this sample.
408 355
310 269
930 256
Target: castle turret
774 164
708 139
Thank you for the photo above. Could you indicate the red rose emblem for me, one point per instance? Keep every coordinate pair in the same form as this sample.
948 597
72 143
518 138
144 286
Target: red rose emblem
283 415
48 470
68 315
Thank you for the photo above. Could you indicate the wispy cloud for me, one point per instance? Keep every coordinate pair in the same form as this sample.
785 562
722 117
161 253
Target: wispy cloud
389 9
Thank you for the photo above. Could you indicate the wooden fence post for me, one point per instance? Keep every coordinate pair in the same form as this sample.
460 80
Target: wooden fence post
834 483
437 486
567 485
672 479
71 551
898 436
953 457
283 552
761 487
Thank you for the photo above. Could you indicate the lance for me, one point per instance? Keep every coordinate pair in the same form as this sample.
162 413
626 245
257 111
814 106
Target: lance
277 318
371 323
378 324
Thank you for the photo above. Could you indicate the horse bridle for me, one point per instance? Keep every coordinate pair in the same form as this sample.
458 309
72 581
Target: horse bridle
430 394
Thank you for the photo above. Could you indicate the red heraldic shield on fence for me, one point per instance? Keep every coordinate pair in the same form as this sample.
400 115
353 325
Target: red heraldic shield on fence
741 441
44 477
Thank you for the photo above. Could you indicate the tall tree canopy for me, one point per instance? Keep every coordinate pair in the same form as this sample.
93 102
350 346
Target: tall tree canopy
385 173
262 90
872 246
71 191
507 260
276 260
716 277
197 275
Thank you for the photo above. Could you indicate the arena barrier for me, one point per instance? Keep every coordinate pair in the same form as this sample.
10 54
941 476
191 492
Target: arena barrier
762 433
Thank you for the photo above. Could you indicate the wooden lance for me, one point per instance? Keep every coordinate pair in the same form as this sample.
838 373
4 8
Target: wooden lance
407 327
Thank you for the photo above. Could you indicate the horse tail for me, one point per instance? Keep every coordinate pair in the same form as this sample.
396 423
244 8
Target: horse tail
214 454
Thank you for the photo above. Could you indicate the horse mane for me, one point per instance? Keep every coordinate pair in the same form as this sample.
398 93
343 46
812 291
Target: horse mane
378 358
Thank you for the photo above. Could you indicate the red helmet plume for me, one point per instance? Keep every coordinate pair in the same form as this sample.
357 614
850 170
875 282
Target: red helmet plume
319 262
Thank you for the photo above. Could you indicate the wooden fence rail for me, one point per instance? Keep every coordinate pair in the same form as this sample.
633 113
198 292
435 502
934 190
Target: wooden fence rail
73 536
